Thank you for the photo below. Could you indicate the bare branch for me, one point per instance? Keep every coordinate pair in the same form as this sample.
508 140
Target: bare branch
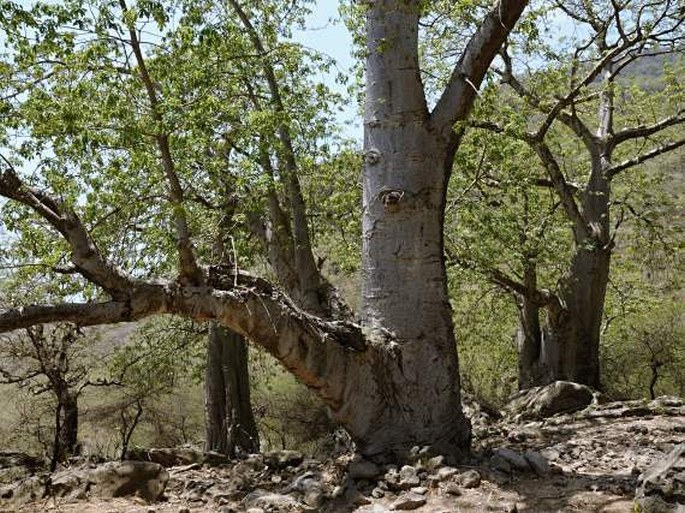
647 130
659 150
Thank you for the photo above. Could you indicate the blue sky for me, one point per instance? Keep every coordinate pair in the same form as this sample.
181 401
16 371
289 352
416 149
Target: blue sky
326 33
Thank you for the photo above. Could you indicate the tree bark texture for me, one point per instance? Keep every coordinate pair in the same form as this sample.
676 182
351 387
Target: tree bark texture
230 424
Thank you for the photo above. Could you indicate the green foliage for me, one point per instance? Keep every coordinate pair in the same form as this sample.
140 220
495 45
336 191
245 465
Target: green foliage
486 321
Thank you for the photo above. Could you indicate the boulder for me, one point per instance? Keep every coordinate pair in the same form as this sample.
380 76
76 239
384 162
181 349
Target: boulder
123 478
543 402
661 487
408 501
23 491
113 479
168 457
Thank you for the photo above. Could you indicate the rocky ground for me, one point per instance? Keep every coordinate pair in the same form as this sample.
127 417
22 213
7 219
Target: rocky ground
588 461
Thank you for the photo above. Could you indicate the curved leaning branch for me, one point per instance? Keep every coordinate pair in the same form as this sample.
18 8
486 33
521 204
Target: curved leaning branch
461 91
85 255
313 349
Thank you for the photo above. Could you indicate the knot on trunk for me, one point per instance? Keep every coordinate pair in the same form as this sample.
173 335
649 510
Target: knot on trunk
391 199
372 157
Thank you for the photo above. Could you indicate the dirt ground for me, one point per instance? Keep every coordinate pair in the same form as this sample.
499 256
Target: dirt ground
595 458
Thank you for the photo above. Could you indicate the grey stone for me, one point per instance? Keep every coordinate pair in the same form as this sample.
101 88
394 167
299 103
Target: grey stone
661 487
500 464
549 400
408 477
269 501
125 478
537 462
435 462
408 501
407 472
516 460
451 488
469 479
446 472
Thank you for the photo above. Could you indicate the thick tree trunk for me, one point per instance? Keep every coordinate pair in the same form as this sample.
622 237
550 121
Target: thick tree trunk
411 396
572 335
230 424
416 391
570 347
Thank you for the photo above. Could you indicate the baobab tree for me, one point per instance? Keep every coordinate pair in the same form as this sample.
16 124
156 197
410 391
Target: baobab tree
392 382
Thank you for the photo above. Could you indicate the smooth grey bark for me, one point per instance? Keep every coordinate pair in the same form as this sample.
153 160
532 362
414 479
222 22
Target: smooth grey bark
413 394
229 420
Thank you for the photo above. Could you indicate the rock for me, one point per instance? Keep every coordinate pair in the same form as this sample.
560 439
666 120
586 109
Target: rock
550 454
500 464
445 473
408 477
408 472
23 491
451 488
537 462
167 457
661 488
354 496
273 502
363 469
114 479
408 501
377 493
435 462
281 459
515 460
552 399
419 490
469 479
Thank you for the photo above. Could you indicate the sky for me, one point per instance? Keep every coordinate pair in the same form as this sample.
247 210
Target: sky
326 33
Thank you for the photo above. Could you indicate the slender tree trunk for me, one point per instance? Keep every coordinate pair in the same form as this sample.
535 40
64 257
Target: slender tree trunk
230 424
66 427
532 370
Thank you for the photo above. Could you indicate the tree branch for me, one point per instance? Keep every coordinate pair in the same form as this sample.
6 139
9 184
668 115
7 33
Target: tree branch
84 252
190 272
460 93
647 130
659 150
563 189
